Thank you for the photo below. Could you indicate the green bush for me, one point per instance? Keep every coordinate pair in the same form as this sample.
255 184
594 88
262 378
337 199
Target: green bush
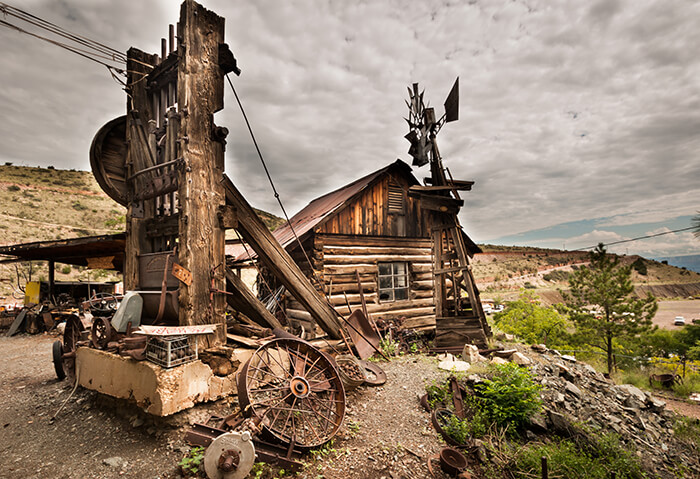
66 269
13 188
510 397
593 460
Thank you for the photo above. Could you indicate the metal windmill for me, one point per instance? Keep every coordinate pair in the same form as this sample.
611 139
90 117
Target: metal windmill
459 317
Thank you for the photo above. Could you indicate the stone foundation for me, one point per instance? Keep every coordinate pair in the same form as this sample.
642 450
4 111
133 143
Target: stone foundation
156 390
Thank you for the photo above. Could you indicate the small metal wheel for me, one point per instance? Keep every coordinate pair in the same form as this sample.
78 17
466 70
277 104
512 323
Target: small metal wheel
102 333
71 335
375 376
295 391
230 456
58 360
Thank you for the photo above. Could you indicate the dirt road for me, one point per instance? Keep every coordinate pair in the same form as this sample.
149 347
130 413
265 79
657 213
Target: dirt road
668 310
385 434
83 438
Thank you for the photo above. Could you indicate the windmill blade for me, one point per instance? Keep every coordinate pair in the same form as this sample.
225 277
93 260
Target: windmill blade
452 103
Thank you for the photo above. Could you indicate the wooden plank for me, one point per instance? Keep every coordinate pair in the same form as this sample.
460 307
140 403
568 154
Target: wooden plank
373 259
251 343
256 234
376 250
245 301
201 240
373 241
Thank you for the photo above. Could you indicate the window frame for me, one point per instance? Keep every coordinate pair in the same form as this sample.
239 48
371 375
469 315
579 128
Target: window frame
394 277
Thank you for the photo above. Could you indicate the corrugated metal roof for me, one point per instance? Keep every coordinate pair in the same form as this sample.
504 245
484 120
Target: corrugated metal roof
316 211
321 208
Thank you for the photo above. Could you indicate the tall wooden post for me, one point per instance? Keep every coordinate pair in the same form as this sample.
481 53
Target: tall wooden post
200 92
138 65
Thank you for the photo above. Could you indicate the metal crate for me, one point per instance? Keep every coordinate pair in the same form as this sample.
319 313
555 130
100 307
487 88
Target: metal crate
171 351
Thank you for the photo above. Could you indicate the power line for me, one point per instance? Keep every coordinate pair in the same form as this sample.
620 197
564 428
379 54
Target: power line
637 239
93 50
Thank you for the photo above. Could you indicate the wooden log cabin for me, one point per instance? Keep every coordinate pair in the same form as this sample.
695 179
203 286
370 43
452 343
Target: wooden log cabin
369 236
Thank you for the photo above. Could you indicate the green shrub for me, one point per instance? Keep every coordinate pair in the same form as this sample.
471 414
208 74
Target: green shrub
564 459
193 461
593 460
77 205
510 397
66 269
438 394
13 188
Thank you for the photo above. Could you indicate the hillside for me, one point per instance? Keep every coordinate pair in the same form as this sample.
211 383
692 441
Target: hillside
502 272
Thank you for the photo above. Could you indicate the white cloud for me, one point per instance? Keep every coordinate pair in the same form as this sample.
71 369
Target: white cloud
569 110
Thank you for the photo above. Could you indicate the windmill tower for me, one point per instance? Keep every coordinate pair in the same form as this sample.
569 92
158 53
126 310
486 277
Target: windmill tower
459 317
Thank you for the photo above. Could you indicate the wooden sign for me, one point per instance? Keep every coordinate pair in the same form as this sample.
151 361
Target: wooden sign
182 274
103 262
176 330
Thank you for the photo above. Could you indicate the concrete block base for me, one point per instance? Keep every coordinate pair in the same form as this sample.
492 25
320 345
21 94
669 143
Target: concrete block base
156 390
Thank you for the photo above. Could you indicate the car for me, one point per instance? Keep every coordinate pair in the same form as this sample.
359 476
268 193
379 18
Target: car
679 321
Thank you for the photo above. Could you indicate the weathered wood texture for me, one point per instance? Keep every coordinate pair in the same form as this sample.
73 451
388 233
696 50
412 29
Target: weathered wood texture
200 95
339 257
369 214
137 99
256 234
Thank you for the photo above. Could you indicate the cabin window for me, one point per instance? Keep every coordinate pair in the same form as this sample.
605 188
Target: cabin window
393 281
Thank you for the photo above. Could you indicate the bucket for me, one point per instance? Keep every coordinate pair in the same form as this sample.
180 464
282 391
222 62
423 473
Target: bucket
351 373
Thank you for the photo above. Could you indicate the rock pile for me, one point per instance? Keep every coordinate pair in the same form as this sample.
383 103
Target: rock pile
574 392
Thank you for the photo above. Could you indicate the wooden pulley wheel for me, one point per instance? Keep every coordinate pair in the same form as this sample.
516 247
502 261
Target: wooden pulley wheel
108 159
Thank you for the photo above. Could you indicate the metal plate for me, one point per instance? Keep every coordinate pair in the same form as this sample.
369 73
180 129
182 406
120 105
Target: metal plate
231 441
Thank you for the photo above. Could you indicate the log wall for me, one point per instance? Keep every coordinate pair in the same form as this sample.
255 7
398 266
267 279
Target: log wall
337 258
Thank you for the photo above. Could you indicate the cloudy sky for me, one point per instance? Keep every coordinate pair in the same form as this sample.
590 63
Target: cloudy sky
579 121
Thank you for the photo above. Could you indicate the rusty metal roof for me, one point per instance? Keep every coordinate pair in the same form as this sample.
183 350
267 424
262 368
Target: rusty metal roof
317 211
73 251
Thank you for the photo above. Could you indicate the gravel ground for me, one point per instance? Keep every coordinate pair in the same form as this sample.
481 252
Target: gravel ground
385 434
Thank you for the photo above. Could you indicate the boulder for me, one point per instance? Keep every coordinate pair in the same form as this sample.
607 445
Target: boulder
520 359
454 365
470 353
498 361
572 389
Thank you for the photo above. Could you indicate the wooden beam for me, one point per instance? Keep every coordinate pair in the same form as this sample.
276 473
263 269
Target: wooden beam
242 299
200 92
256 234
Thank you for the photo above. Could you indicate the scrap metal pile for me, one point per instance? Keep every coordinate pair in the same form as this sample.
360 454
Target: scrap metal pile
292 398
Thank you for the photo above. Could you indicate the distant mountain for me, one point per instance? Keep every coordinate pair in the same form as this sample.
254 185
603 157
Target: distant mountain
691 261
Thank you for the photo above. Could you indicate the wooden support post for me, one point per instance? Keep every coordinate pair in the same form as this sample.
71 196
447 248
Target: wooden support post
200 92
52 279
256 234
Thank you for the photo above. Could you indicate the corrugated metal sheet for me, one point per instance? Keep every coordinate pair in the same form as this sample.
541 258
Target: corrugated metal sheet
315 212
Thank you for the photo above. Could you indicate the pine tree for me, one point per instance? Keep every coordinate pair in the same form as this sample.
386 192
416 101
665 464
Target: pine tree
602 305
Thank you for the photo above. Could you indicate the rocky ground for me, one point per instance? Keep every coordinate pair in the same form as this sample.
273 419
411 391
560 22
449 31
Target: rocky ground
386 433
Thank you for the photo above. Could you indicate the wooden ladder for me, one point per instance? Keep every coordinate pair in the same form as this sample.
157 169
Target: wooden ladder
459 319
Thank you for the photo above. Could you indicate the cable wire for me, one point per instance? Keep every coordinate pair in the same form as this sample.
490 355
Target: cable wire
272 184
637 238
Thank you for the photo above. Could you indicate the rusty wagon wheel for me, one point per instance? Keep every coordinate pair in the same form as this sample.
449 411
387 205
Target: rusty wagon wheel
295 390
